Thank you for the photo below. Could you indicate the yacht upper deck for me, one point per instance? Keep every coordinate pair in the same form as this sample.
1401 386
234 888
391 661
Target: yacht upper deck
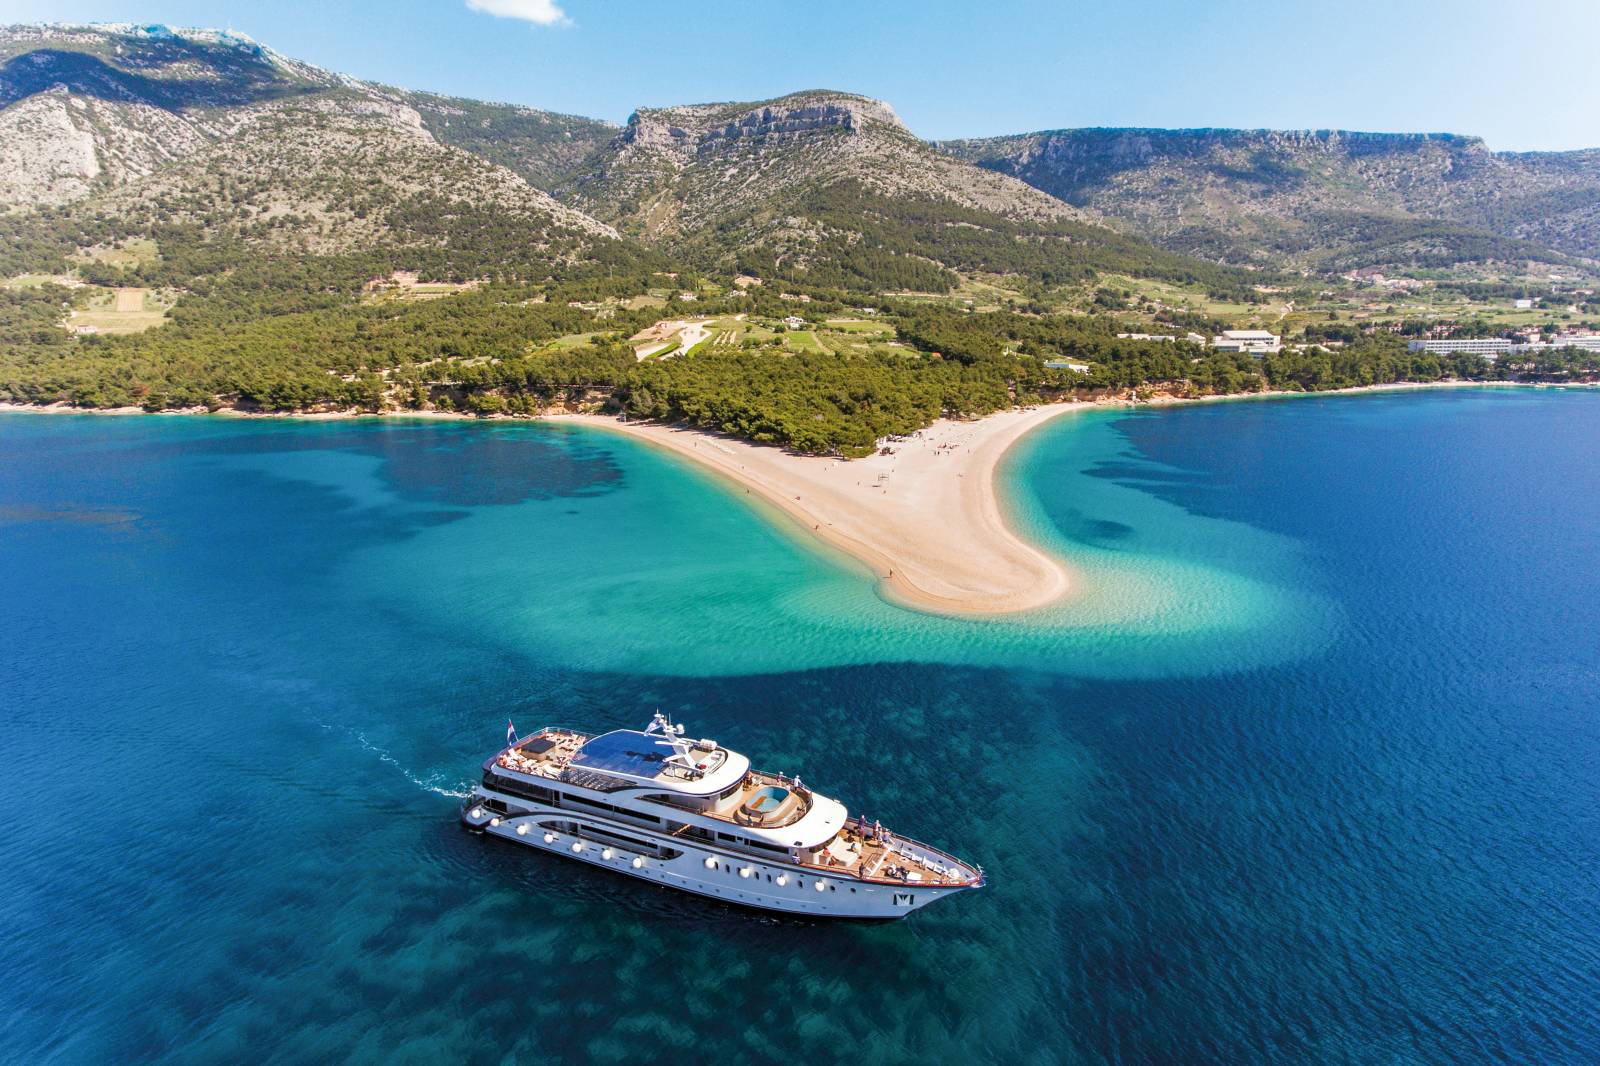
715 784
626 758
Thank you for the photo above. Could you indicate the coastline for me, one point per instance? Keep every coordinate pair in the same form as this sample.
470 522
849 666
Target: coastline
926 518
1163 400
923 514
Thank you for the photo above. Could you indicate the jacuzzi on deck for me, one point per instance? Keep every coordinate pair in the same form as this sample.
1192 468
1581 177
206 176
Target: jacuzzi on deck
769 803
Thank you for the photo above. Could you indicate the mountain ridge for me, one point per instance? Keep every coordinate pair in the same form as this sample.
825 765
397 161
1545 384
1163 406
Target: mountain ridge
144 129
1281 196
818 184
859 137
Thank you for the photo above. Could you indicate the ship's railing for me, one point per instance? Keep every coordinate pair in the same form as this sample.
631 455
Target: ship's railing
536 734
928 858
933 858
759 778
763 779
543 730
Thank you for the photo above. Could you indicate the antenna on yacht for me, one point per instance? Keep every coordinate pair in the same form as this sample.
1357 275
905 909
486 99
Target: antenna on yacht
673 734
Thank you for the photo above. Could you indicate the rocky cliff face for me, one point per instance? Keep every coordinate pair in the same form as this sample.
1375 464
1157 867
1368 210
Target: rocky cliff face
1072 158
830 187
1270 196
332 173
57 147
694 131
673 172
89 108
186 72
145 122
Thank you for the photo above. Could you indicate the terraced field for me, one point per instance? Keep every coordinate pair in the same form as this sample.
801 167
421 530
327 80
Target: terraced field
124 310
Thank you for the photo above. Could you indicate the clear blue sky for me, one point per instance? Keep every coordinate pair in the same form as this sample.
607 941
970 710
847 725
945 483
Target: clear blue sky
1522 75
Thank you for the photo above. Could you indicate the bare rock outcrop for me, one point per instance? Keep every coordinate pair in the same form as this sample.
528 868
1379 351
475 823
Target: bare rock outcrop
56 147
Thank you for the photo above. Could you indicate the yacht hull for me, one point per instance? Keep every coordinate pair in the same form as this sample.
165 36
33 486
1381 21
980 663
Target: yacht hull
702 869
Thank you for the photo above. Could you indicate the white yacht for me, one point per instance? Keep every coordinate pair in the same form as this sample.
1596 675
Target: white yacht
692 815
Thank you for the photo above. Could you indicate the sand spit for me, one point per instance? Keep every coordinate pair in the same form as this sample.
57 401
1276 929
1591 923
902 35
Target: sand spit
924 515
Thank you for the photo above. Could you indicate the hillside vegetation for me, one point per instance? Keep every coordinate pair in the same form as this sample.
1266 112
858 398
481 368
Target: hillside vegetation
832 189
1325 200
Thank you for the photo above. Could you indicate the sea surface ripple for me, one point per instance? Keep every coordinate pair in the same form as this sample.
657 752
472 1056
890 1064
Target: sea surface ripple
1305 772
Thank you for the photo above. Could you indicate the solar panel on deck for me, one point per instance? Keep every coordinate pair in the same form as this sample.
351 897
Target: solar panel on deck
624 751
538 745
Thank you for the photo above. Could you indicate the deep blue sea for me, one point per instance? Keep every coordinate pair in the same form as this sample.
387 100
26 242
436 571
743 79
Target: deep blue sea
1307 771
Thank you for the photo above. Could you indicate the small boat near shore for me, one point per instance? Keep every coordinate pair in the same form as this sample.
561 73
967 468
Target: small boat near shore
693 815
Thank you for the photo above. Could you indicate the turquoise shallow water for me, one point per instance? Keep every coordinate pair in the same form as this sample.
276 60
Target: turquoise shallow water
1305 771
677 575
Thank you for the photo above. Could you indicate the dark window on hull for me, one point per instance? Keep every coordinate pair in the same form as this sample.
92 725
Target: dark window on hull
517 788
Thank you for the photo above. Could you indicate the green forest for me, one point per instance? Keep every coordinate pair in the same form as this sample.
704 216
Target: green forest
289 336
259 328
874 243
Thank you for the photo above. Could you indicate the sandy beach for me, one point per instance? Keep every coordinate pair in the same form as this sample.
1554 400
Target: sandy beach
926 518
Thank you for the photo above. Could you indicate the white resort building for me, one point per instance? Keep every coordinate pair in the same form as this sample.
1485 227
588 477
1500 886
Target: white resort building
1253 341
1485 346
1491 347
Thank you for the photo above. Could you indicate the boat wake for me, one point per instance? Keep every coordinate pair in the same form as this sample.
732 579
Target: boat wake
436 782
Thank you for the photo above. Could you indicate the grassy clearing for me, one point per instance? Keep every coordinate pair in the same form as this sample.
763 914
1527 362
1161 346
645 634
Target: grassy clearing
34 281
804 340
126 310
405 288
571 340
1187 299
877 348
859 325
732 332
430 291
131 253
987 292
978 292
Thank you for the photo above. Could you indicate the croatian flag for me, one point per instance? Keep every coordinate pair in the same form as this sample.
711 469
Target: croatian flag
511 732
